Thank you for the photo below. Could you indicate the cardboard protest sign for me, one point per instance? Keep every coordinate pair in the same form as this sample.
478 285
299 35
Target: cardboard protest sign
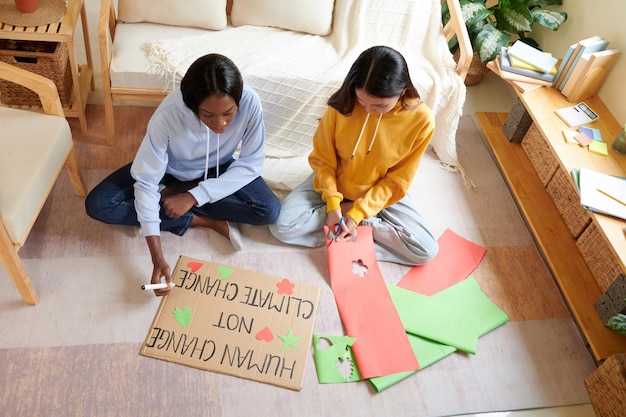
235 321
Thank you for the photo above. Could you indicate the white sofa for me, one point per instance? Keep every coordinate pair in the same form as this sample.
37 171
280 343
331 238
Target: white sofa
294 53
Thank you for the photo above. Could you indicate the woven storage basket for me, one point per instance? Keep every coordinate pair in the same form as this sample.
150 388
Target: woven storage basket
539 153
598 256
48 59
563 192
607 387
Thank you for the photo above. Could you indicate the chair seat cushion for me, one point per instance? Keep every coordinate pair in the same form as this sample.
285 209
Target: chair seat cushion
34 147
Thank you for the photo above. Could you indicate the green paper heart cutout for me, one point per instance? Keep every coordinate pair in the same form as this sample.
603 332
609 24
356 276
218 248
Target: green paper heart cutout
225 272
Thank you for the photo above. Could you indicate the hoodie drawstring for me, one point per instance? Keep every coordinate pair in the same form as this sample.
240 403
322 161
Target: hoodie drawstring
361 135
206 158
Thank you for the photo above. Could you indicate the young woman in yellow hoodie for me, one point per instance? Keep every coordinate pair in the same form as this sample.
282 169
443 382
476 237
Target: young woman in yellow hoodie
366 151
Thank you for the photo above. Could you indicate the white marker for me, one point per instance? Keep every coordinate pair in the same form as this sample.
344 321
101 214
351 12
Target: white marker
159 286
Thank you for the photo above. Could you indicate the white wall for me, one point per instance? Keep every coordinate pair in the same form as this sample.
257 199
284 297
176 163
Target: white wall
589 18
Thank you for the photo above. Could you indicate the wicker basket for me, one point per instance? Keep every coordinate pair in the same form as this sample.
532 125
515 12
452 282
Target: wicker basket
476 71
539 153
598 256
607 385
48 59
563 192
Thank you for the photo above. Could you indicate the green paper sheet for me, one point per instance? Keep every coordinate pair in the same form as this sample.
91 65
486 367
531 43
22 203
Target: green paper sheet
436 319
466 294
333 357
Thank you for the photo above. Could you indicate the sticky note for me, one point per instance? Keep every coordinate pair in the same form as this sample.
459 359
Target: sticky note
592 132
568 135
583 139
599 148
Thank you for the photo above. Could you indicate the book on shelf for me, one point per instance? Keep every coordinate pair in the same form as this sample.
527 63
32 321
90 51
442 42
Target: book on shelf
564 63
506 65
520 86
532 56
600 192
583 47
511 76
521 64
589 74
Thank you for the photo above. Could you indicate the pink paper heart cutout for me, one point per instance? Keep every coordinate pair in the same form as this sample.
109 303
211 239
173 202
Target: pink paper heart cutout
265 334
194 266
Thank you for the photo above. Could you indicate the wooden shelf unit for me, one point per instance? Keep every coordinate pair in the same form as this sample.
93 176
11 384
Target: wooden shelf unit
571 272
64 31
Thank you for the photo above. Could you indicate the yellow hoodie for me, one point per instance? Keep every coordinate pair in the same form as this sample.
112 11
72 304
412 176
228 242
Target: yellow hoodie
344 168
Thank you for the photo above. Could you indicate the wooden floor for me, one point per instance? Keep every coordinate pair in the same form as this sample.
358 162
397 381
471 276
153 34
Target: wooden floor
92 149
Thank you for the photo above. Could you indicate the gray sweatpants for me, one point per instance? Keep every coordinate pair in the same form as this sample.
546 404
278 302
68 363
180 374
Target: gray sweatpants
399 231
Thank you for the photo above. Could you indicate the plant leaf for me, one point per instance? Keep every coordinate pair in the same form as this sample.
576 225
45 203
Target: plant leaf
548 18
515 19
183 316
617 323
474 13
489 42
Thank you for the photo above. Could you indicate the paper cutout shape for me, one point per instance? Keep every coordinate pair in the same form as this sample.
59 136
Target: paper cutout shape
359 268
467 295
265 334
233 310
224 272
183 316
333 358
366 309
456 260
194 266
290 340
285 287
439 321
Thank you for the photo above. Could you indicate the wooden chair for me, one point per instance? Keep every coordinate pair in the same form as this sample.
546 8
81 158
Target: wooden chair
34 147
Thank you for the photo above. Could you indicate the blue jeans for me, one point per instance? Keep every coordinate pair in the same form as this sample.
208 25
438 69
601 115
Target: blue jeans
113 202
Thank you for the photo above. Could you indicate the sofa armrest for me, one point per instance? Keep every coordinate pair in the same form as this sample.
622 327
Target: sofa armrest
456 26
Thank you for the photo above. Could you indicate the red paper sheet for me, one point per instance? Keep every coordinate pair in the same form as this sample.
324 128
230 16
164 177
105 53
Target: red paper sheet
456 260
366 309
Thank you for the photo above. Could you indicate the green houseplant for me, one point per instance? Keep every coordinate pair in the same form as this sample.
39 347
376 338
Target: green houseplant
491 27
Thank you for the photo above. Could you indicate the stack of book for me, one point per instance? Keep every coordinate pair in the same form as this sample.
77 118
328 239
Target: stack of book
524 66
584 68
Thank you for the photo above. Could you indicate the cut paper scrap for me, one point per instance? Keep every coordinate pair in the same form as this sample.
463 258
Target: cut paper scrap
456 260
466 294
368 314
334 359
436 320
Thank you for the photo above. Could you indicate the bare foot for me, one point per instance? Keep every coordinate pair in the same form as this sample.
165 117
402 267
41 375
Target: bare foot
229 230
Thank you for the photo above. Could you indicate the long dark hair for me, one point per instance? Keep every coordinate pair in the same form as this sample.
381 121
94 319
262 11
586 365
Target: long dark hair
211 74
382 72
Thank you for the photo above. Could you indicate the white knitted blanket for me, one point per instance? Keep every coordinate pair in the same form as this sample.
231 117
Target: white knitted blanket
295 73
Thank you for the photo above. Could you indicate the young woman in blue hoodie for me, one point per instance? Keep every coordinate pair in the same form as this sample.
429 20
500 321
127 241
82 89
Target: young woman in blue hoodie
185 173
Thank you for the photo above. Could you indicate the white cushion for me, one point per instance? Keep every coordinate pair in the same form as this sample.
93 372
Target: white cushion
207 14
129 63
34 149
309 16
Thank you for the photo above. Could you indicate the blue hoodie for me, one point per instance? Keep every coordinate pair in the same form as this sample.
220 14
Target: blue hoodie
176 143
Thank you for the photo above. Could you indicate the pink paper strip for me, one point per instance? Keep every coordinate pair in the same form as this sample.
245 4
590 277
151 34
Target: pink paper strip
366 309
456 260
